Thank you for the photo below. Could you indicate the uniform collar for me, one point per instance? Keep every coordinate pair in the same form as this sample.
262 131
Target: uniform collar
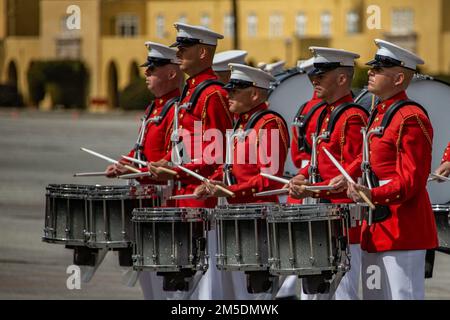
200 77
346 98
161 101
384 105
244 117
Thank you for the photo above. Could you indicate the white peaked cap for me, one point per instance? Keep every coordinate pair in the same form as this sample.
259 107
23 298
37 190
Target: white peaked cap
400 56
306 65
222 59
158 51
255 76
274 68
331 55
196 34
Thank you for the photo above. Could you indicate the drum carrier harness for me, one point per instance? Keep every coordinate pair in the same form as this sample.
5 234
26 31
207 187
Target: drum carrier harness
301 121
230 179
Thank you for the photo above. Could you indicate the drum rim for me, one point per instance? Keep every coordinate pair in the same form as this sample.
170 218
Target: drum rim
440 207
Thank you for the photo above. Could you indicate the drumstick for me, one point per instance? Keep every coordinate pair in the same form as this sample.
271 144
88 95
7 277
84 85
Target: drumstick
272 192
274 178
99 155
135 175
203 179
184 196
438 176
347 177
90 174
145 163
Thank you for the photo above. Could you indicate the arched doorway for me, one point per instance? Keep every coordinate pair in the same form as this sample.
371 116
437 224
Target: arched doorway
12 74
134 71
113 90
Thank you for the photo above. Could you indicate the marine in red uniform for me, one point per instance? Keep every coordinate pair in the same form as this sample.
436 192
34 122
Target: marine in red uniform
305 124
196 47
267 144
331 78
163 78
401 160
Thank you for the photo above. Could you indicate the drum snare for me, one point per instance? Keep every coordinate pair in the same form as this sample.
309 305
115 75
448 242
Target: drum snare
308 239
66 214
170 239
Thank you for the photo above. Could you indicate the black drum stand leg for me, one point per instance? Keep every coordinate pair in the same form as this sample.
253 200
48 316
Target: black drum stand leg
315 284
176 281
258 281
83 256
125 257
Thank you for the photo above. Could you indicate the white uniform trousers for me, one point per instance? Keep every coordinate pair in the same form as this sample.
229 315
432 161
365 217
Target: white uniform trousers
393 275
152 286
349 285
289 287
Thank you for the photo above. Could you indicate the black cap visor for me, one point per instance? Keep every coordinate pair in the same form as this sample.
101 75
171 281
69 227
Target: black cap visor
155 62
323 67
185 42
384 62
237 84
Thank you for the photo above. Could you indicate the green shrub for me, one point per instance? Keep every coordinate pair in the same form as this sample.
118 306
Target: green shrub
135 96
360 78
65 80
9 96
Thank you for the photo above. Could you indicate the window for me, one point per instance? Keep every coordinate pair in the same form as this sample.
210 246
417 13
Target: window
352 22
252 25
228 25
275 25
402 21
300 24
325 23
127 25
205 20
160 25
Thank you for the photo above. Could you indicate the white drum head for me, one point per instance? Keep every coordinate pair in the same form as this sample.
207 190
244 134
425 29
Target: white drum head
291 90
434 96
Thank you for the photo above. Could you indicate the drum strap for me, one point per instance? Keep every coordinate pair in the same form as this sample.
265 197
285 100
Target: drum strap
387 118
149 110
301 121
169 103
249 125
198 91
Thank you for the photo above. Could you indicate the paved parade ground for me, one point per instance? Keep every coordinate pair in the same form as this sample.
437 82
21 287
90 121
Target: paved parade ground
42 148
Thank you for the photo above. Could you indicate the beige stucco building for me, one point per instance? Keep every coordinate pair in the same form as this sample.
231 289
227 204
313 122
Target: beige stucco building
112 32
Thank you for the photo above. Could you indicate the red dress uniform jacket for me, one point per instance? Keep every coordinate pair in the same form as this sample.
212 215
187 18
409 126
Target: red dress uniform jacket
212 110
403 157
446 156
156 142
249 180
345 144
299 156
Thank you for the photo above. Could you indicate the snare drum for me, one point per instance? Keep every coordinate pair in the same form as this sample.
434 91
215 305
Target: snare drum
110 213
442 216
242 237
308 239
66 214
170 239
